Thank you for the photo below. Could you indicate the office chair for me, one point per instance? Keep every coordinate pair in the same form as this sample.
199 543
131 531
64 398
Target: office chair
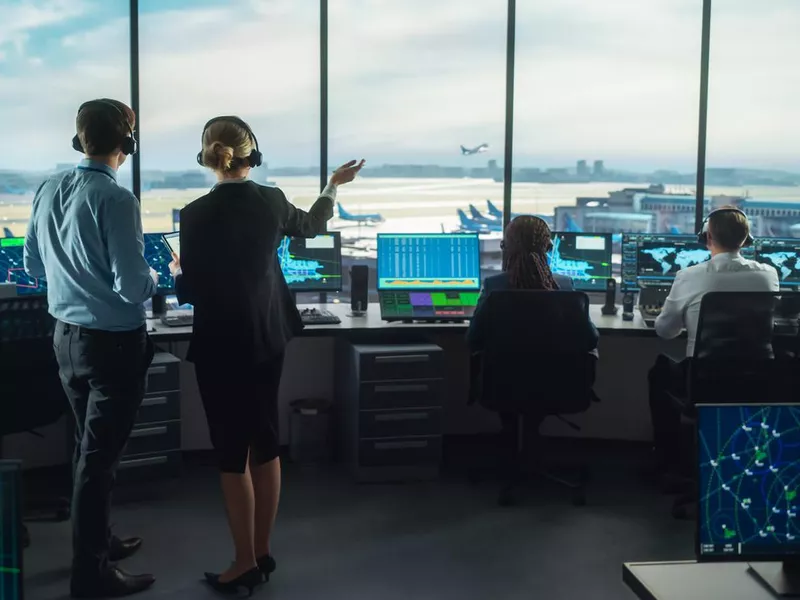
734 360
29 382
536 363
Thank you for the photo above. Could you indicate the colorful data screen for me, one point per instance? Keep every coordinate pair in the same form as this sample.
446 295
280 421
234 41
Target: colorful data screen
429 261
12 268
427 306
749 471
784 255
584 257
656 258
10 531
158 255
314 264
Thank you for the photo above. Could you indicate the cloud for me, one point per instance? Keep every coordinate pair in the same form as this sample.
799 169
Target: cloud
21 17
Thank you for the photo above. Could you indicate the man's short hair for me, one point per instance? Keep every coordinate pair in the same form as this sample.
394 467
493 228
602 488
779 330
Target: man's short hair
103 124
729 228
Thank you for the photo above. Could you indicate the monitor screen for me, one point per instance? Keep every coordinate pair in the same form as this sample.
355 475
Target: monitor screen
314 264
784 255
10 530
436 261
749 479
584 257
656 258
12 268
158 256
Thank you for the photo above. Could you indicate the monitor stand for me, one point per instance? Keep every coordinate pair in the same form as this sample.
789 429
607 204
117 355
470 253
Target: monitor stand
783 578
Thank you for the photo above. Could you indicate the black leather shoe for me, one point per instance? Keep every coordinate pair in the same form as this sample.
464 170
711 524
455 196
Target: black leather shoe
121 549
266 564
248 580
114 583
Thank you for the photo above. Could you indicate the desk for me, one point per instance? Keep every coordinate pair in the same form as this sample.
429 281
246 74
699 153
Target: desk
693 581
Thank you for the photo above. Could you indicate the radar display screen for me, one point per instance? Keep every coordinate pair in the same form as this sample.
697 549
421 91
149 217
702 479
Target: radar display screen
585 258
12 268
158 255
314 264
784 255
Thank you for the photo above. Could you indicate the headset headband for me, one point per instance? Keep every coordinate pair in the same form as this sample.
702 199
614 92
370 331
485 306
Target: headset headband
253 160
129 145
702 235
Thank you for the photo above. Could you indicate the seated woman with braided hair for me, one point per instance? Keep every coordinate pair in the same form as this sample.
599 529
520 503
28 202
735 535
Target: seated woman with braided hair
526 241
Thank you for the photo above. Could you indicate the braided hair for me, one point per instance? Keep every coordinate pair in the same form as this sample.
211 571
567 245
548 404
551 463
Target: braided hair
525 245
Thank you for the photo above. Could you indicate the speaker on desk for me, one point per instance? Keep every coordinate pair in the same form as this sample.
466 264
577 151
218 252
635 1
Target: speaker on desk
159 305
610 308
359 290
627 306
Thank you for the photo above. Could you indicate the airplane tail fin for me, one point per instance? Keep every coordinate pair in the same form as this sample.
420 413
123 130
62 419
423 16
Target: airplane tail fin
462 216
493 210
343 214
7 232
464 150
474 212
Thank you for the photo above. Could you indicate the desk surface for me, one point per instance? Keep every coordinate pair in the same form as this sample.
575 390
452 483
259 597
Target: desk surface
608 325
693 581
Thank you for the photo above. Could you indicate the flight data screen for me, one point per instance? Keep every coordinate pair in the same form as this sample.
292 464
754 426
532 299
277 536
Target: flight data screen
10 532
429 262
585 258
158 255
12 268
658 258
784 255
749 479
313 265
412 306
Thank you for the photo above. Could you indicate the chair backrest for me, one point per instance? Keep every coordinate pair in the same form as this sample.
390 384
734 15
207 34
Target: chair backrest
536 355
736 325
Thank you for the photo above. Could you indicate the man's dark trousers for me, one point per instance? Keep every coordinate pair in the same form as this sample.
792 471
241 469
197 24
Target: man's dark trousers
103 374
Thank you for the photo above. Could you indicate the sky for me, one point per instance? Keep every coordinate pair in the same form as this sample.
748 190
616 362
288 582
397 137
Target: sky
411 80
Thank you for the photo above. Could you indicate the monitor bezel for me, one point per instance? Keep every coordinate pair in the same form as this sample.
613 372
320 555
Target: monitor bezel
609 244
15 466
296 289
706 558
378 287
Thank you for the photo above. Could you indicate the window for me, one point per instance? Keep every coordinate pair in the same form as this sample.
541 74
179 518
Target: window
54 55
198 60
753 157
606 114
418 89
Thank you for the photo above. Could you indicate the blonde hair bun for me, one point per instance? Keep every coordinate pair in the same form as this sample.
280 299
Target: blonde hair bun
218 156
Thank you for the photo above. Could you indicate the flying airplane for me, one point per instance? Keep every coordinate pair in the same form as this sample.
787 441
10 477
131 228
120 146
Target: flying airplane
473 226
371 219
476 150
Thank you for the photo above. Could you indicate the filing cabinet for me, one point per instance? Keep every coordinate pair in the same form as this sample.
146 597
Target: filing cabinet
391 402
154 446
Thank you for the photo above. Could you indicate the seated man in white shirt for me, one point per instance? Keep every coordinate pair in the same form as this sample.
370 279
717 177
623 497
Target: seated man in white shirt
725 232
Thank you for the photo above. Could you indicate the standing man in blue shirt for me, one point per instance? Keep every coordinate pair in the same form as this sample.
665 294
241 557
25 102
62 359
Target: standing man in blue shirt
85 238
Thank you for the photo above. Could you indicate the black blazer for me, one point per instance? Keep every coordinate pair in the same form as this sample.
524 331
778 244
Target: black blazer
477 327
243 309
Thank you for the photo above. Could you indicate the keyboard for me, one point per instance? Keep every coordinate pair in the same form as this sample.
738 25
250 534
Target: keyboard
177 320
318 316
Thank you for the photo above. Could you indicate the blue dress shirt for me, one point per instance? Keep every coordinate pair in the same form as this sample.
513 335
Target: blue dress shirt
85 238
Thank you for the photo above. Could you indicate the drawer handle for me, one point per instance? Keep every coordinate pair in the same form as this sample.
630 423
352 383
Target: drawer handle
149 431
408 387
416 416
156 371
155 401
403 358
143 462
401 445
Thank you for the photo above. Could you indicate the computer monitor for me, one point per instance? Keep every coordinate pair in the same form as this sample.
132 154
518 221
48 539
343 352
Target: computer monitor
12 268
158 255
784 255
313 264
11 544
584 257
748 482
655 259
429 261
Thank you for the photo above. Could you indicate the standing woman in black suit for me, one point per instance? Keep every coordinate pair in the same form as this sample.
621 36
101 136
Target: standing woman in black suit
244 315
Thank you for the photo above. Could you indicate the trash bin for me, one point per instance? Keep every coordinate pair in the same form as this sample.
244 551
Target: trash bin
309 431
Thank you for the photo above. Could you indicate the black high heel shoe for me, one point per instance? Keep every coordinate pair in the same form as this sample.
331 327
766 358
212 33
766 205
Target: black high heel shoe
266 564
248 580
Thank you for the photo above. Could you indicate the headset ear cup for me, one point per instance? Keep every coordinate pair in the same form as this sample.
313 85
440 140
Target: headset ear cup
128 146
255 159
200 158
76 143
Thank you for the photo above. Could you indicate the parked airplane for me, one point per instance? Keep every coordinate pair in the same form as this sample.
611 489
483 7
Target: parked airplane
476 150
370 219
476 216
473 226
496 213
7 232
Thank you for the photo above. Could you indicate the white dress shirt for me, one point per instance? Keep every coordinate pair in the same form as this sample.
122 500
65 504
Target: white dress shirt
725 272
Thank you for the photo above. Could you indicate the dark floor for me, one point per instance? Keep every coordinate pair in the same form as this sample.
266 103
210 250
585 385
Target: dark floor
439 540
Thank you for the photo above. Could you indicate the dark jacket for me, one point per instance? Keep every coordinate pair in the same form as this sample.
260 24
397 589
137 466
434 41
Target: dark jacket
243 309
478 324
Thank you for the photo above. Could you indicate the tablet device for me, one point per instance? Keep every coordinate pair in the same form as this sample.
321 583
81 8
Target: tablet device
173 241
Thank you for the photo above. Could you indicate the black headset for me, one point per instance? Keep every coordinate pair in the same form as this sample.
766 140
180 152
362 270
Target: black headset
254 160
128 145
702 236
